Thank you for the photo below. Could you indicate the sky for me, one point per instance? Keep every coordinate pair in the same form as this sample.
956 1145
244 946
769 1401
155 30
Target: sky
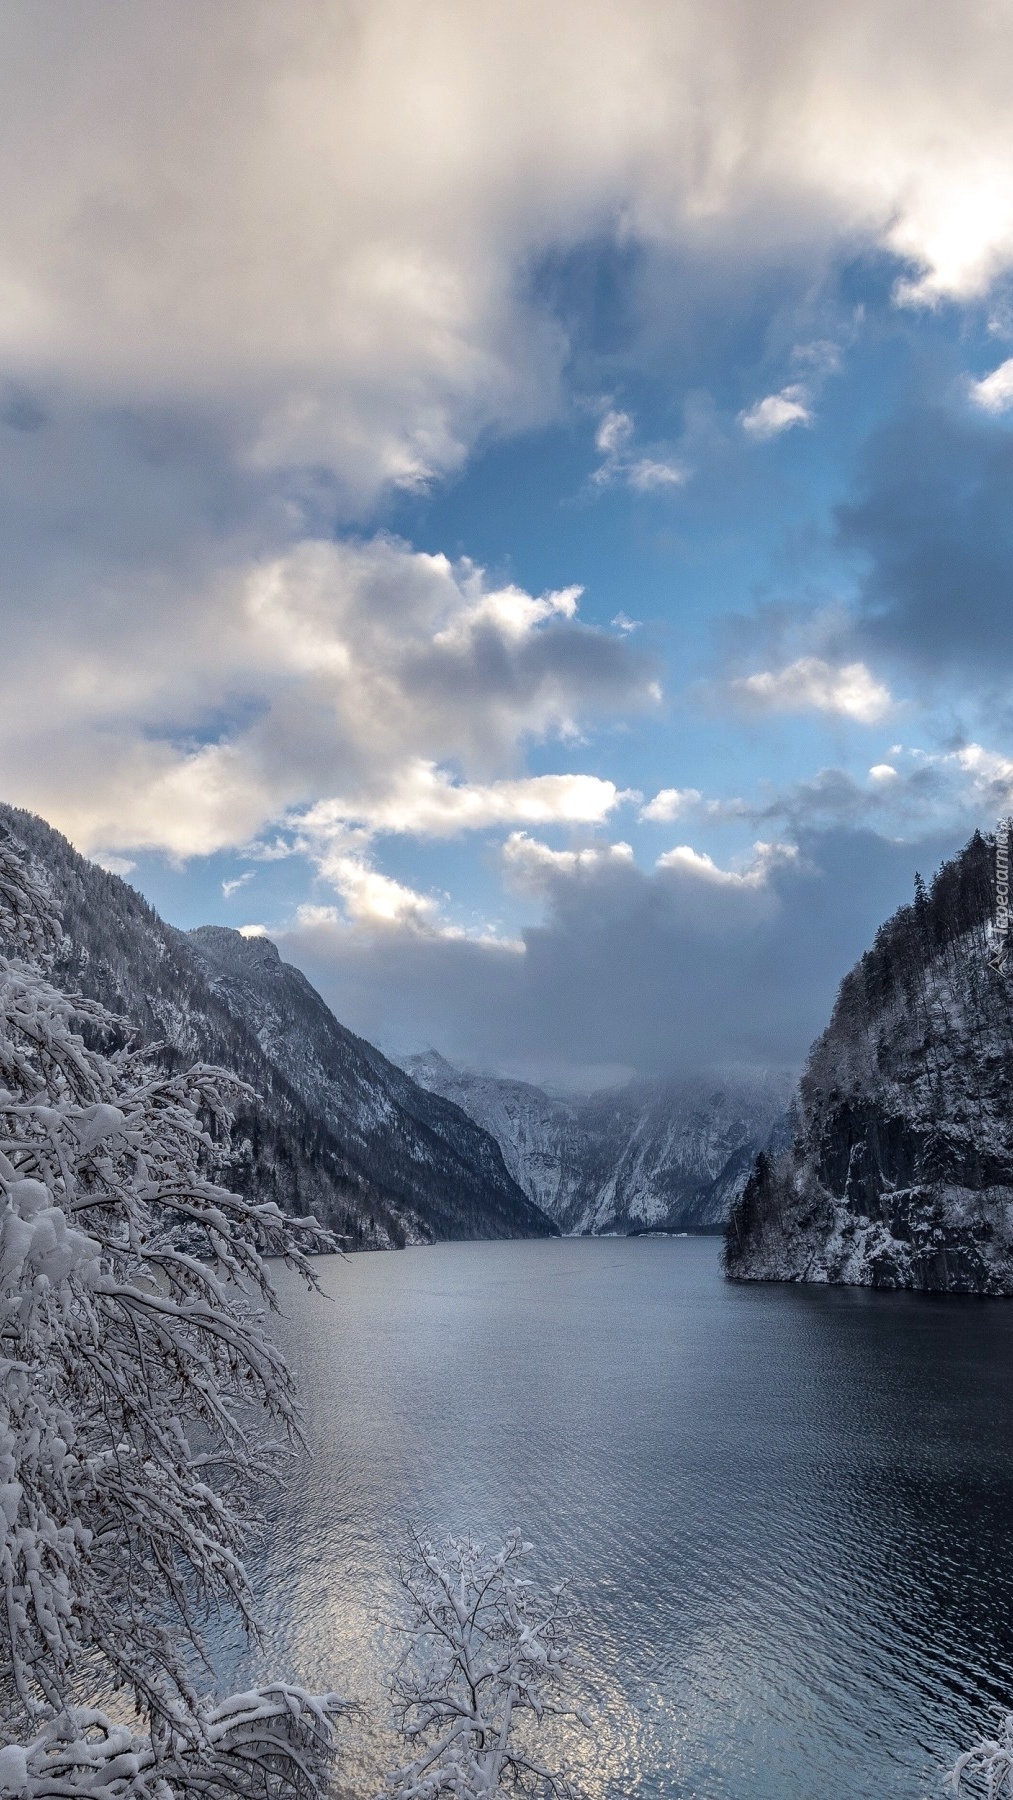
513 502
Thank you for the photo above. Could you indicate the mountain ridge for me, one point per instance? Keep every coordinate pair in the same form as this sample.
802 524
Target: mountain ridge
336 1129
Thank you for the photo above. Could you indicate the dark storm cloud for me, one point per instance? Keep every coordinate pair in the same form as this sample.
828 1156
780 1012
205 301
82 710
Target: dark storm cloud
933 527
659 973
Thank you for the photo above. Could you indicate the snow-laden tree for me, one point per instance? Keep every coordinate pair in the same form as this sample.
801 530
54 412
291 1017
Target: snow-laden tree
141 1403
487 1656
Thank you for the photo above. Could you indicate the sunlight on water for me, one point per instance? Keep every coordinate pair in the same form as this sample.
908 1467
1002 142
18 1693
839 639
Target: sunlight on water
785 1511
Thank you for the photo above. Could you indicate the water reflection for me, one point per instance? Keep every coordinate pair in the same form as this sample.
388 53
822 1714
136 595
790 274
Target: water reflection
786 1511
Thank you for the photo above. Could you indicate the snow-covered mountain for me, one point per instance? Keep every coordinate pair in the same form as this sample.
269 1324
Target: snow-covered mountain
649 1156
901 1172
337 1129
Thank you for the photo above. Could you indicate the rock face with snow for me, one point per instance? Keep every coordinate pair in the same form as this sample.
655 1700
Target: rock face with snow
336 1129
901 1172
651 1156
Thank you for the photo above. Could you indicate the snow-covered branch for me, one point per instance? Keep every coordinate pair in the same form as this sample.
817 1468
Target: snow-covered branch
987 1768
133 1366
272 1741
487 1654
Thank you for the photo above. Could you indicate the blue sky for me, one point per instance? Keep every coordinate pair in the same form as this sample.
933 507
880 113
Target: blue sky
517 510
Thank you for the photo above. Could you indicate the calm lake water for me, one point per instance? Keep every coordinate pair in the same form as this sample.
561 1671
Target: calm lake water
787 1512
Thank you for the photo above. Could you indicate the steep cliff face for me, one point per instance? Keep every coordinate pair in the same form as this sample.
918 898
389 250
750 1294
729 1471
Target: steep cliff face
901 1171
336 1129
651 1156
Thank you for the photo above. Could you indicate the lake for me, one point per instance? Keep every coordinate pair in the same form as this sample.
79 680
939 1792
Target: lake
787 1512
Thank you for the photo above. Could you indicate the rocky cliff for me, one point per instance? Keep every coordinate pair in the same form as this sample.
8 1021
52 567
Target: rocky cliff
654 1155
901 1169
336 1129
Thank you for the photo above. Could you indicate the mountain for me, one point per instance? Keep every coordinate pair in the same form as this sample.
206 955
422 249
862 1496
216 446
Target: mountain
336 1128
649 1156
901 1170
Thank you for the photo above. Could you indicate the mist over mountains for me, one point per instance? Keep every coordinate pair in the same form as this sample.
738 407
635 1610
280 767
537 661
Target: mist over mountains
653 1155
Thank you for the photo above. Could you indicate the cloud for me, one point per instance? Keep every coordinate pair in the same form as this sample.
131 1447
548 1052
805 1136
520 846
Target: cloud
777 413
994 393
314 232
794 405
614 434
754 874
812 685
989 773
647 474
670 803
370 898
931 532
356 672
533 867
116 865
700 960
261 266
658 972
920 793
229 888
425 801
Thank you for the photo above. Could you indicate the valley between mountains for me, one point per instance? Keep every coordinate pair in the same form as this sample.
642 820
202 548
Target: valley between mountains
389 1155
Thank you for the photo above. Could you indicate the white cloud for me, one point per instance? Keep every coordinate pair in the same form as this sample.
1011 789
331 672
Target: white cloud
338 836
359 669
114 865
696 863
670 803
425 801
994 393
812 685
508 610
883 773
647 474
530 865
316 222
989 774
614 433
229 888
777 413
370 898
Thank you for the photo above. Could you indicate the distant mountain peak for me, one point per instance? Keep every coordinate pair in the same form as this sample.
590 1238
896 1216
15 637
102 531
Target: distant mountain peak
663 1155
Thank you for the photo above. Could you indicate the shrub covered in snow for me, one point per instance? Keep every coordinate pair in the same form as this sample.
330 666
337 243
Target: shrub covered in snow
487 1653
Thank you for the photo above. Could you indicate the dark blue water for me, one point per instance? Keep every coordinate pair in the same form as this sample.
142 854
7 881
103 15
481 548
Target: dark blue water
788 1512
